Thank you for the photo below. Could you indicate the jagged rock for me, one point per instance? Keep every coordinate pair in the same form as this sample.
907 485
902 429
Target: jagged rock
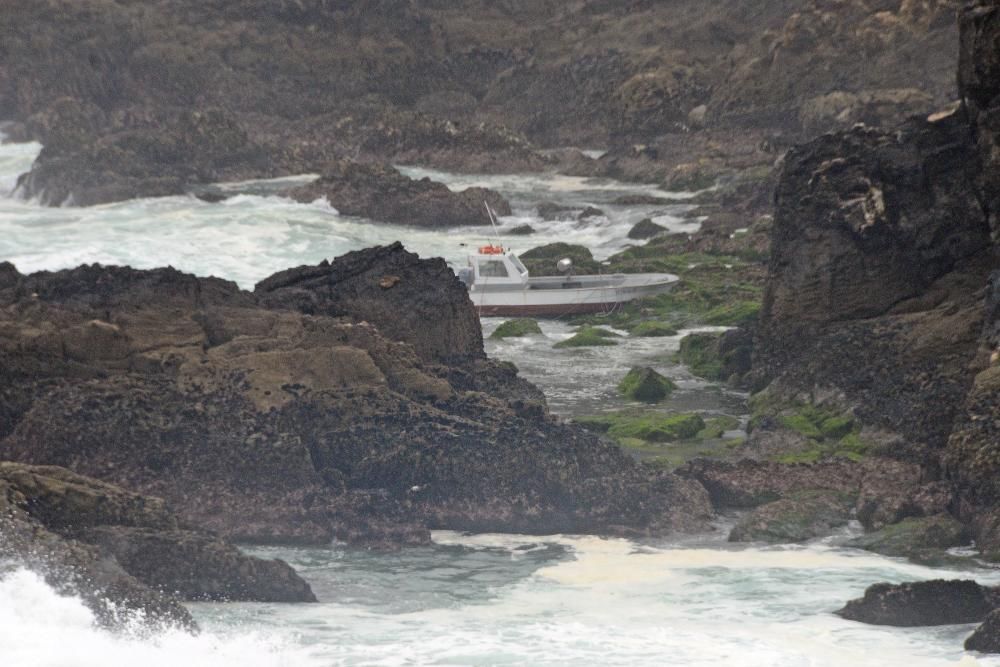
440 323
937 602
124 552
986 638
322 405
590 212
196 566
381 193
541 261
646 385
797 517
879 246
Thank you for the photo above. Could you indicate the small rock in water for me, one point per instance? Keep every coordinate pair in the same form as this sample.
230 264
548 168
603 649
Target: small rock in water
645 229
646 385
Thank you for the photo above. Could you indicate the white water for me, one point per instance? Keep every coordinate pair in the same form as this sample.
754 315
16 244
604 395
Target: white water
518 600
250 236
488 599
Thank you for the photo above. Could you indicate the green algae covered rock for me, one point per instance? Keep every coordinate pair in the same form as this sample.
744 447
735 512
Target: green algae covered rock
646 385
517 328
589 337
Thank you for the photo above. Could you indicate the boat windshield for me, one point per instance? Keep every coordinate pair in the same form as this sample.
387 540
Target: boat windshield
517 264
492 268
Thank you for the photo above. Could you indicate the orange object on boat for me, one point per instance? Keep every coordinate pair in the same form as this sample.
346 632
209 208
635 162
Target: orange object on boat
491 250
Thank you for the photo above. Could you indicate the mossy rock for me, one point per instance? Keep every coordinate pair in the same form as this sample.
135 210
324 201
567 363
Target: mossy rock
795 518
521 230
646 385
657 428
589 337
517 328
913 537
700 353
836 427
541 261
716 427
652 329
738 313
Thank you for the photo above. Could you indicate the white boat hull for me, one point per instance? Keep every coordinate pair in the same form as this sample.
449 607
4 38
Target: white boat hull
552 297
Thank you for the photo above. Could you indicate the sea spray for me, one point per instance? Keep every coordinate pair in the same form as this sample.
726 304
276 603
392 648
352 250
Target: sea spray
41 628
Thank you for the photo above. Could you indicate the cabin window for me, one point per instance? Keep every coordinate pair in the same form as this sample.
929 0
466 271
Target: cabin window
492 269
517 264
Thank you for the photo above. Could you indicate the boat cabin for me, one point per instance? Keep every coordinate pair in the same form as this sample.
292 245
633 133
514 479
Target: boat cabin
494 266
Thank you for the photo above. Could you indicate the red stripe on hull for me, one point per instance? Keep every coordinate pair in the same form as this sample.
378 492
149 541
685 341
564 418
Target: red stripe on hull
550 310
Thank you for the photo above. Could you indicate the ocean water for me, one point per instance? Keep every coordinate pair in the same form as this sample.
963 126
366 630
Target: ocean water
467 599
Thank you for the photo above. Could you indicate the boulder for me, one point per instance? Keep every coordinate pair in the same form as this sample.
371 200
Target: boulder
379 192
795 518
986 638
645 229
937 602
351 399
645 385
915 537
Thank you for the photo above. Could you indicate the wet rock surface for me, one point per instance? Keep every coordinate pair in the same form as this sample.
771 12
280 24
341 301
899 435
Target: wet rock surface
796 518
126 553
937 602
323 404
381 193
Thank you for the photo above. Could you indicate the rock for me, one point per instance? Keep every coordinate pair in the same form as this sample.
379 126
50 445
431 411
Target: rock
652 329
863 296
722 356
195 566
798 517
548 210
937 602
123 552
151 158
641 200
645 385
876 108
986 638
517 328
521 230
914 537
696 117
590 212
645 229
307 410
440 323
381 193
541 261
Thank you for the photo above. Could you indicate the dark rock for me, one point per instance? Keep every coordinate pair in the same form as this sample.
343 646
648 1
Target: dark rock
323 405
937 602
440 323
646 385
548 210
541 261
641 200
590 212
913 537
381 193
645 229
521 230
878 249
196 566
795 518
123 552
986 638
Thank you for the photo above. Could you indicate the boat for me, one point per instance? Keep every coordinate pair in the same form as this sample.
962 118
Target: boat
499 285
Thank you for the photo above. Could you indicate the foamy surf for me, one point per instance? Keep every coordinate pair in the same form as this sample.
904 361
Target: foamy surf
41 628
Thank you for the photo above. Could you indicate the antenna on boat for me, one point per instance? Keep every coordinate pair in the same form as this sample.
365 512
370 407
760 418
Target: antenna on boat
493 221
